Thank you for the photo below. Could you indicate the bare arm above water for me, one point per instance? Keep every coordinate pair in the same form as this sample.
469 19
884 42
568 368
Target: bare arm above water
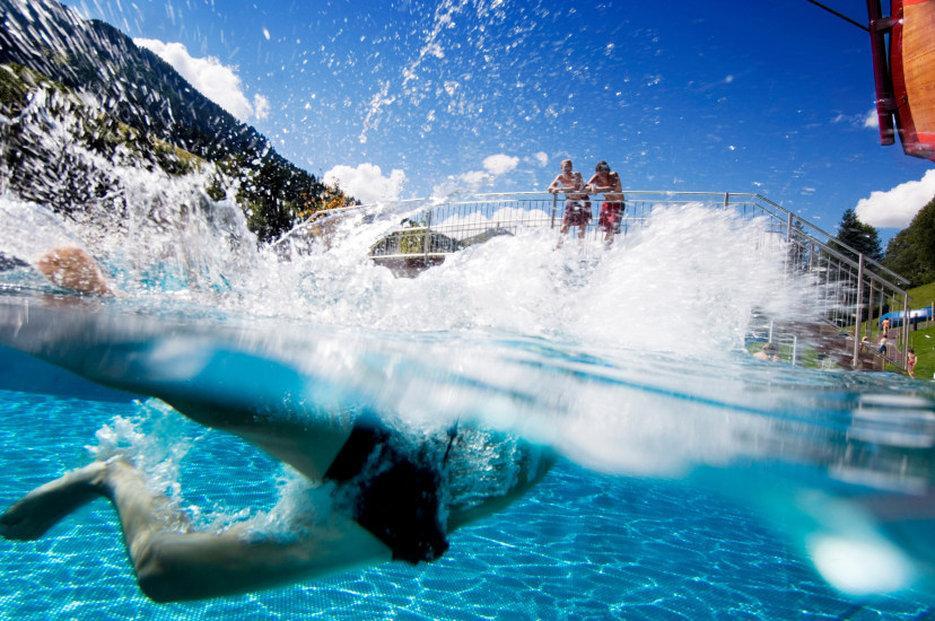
73 268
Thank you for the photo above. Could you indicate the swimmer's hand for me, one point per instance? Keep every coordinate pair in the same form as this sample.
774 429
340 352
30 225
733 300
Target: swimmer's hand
72 268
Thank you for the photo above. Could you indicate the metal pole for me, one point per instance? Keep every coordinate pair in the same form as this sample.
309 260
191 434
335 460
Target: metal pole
859 305
905 330
425 239
795 347
881 72
554 207
882 302
789 227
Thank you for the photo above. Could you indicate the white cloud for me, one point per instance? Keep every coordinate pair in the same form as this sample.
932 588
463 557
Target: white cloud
896 207
542 158
473 180
210 77
500 163
260 106
366 182
872 120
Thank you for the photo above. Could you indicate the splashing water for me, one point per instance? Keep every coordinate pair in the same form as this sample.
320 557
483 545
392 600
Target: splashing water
629 360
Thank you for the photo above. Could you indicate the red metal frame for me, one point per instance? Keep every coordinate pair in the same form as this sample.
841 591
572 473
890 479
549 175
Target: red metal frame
881 71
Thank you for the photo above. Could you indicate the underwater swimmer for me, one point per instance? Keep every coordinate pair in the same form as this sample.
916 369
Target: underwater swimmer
378 493
383 498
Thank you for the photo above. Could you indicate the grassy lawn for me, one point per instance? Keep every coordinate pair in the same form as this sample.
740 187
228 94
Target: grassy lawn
923 341
918 298
922 296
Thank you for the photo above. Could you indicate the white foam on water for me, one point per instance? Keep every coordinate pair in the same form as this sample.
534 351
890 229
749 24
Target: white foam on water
685 285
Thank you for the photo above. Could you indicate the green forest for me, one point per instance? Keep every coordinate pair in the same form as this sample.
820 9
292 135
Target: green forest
910 253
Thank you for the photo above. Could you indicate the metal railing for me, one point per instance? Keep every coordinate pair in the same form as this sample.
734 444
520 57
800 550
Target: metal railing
852 289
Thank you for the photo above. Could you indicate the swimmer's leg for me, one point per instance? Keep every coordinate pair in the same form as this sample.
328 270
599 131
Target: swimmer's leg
45 506
307 445
174 563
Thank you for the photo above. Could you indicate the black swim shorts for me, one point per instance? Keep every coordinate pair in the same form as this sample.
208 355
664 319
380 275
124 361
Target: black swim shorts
395 491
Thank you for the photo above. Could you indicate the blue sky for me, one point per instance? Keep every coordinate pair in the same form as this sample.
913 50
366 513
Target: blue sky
737 95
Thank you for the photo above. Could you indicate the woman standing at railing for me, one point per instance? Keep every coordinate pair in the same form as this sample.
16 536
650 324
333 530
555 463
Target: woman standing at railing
577 205
607 182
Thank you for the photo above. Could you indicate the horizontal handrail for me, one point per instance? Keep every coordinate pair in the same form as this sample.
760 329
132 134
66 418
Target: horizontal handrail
856 252
804 228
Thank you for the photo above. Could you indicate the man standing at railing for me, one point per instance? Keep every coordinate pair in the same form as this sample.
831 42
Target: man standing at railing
607 182
577 205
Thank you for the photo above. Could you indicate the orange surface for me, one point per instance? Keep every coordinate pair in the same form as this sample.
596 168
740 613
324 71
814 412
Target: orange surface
919 64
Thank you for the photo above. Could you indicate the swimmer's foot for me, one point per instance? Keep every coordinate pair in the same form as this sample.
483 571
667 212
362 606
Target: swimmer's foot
45 506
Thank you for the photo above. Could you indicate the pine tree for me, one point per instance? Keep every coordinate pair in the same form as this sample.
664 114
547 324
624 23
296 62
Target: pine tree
861 237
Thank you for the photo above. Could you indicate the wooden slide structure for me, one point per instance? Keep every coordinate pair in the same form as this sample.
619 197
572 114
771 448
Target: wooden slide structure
905 76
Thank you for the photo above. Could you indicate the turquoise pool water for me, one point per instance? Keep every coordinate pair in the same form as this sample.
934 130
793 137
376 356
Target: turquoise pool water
693 482
580 545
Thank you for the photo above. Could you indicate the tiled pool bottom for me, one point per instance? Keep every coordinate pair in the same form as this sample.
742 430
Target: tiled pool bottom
581 546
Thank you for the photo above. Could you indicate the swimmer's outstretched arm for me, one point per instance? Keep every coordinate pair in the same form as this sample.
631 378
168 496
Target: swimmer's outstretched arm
172 562
73 268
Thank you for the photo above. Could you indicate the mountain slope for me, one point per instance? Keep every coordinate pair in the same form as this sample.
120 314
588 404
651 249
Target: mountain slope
135 87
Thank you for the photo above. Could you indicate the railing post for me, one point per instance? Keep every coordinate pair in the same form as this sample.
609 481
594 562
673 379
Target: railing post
905 330
727 199
425 239
859 305
554 207
789 227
